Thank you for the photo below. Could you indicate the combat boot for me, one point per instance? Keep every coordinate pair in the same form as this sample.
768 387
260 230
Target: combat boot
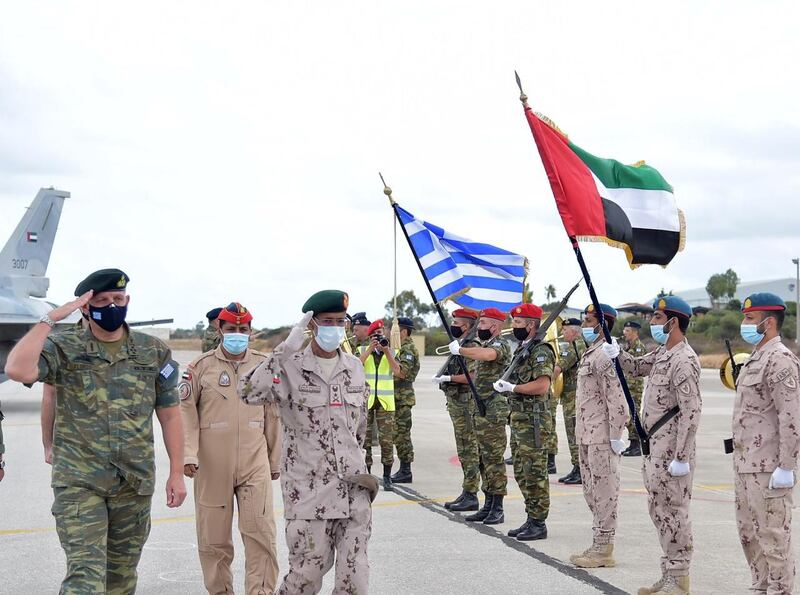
520 529
468 503
574 477
387 479
571 474
403 474
496 515
447 505
634 450
596 556
536 530
674 585
654 589
551 464
509 461
483 512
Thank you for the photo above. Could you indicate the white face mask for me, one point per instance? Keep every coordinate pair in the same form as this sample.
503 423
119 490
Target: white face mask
329 337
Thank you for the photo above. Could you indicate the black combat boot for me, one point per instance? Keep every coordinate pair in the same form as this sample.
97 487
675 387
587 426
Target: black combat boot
467 504
551 464
574 477
535 530
403 474
634 450
483 512
520 529
569 475
496 515
509 461
447 505
387 480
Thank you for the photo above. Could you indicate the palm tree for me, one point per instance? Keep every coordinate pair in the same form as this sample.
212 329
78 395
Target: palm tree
550 292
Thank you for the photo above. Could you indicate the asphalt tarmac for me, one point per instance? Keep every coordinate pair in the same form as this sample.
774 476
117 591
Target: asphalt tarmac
417 546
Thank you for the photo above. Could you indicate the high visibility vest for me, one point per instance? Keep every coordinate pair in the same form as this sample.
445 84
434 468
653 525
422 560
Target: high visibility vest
380 380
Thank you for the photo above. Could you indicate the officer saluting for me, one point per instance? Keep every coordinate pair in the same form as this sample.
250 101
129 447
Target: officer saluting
766 440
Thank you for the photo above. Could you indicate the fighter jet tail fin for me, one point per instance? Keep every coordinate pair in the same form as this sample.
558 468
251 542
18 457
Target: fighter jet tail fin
25 256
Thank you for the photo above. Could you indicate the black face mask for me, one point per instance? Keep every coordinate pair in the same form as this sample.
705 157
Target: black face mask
109 318
484 334
520 334
456 331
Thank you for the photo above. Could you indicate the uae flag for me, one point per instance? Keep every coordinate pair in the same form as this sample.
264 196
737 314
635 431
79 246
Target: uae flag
627 206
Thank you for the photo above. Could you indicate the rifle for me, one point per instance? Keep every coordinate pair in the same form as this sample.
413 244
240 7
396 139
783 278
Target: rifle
467 337
735 368
525 352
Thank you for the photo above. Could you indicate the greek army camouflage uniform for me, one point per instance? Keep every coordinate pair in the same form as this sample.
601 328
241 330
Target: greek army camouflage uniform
2 446
636 384
569 358
490 431
531 427
103 457
461 407
211 339
404 399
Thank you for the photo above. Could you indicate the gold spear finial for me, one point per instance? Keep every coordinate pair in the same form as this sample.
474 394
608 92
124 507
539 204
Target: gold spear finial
386 190
522 97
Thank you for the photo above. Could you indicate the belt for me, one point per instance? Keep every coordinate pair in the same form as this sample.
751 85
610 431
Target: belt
538 404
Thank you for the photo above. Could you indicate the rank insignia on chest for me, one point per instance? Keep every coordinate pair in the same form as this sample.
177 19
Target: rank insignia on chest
336 399
224 379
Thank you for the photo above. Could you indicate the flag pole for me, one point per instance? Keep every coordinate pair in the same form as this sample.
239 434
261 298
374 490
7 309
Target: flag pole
462 364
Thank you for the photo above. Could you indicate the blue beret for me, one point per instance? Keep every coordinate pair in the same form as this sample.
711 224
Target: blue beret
674 304
632 324
213 314
360 319
607 310
103 280
403 321
763 301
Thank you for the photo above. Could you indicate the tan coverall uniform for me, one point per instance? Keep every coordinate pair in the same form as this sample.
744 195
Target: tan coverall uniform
766 435
236 447
601 414
673 378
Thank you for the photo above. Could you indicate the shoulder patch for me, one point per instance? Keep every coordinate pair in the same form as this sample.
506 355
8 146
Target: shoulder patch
785 376
540 359
167 370
496 344
410 357
184 390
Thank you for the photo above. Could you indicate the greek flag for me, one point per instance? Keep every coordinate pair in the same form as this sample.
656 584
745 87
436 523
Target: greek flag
472 274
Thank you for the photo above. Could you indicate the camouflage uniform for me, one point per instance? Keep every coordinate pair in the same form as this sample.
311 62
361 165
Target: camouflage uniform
636 384
381 420
490 430
211 339
461 407
103 459
569 359
529 412
326 504
404 400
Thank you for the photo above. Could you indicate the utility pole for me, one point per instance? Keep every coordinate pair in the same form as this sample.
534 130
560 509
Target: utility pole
796 261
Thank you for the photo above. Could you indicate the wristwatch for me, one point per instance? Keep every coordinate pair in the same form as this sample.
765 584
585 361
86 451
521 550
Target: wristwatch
48 321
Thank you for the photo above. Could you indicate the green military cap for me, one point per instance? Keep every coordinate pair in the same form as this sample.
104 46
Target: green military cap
103 280
327 300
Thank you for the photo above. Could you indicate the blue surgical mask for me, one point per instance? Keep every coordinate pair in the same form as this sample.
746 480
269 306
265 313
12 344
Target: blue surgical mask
235 343
750 333
589 335
657 331
109 318
329 337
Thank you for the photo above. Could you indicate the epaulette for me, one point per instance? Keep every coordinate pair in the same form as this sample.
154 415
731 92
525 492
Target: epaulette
202 356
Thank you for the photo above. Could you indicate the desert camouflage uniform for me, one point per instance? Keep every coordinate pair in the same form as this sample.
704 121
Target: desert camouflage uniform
531 426
404 400
103 458
569 359
490 431
636 383
326 504
211 339
673 378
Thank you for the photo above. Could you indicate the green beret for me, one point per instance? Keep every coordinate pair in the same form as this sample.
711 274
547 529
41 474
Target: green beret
103 280
327 300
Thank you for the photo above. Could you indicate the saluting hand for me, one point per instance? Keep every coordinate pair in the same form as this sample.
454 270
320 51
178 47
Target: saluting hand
62 312
294 342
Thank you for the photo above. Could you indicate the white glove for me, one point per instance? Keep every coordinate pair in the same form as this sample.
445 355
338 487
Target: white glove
440 379
617 446
502 386
678 468
611 349
781 478
454 347
297 335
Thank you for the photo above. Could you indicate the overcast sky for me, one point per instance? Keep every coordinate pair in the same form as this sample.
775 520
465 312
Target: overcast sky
220 153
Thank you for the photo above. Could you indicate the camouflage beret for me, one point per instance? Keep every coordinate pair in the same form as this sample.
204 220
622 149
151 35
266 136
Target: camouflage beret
327 300
103 280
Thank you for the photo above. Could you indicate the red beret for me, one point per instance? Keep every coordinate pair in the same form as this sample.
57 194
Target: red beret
493 313
526 311
464 313
235 313
375 326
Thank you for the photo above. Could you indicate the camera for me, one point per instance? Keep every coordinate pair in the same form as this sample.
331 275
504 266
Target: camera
382 341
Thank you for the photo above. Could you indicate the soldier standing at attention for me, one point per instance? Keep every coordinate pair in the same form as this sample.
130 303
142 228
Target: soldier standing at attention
766 440
232 450
321 396
528 390
461 407
109 380
634 346
404 400
491 358
379 366
572 350
2 449
673 380
211 336
602 414
360 338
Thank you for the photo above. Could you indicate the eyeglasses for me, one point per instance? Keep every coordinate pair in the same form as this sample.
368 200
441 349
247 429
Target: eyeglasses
331 321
